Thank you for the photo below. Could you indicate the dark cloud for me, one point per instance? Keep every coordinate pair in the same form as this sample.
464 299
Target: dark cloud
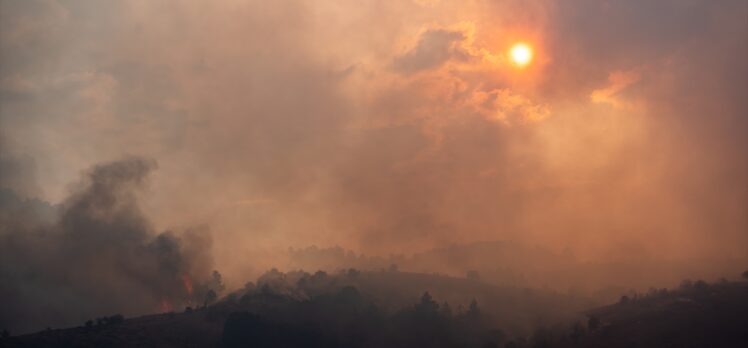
434 48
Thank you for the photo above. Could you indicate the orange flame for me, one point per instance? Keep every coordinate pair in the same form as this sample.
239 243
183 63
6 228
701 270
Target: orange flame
165 306
187 284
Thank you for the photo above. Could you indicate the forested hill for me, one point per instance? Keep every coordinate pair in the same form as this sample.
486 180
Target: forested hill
397 309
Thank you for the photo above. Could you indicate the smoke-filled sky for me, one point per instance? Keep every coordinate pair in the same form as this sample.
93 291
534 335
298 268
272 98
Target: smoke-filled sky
392 126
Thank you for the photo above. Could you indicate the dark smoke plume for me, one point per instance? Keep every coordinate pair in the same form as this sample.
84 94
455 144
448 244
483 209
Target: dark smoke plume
99 256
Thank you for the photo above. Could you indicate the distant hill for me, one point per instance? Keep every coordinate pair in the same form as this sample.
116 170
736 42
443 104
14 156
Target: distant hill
512 263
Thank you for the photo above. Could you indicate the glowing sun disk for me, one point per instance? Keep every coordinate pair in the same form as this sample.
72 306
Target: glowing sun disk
521 54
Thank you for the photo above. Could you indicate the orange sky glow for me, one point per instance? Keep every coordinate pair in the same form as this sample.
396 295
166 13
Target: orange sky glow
599 128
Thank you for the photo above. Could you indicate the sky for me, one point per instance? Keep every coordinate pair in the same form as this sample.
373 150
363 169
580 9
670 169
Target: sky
389 126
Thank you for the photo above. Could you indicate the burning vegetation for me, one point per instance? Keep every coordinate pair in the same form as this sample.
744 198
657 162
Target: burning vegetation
99 254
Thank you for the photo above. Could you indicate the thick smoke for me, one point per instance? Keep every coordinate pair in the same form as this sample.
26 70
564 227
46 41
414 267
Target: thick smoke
399 126
100 256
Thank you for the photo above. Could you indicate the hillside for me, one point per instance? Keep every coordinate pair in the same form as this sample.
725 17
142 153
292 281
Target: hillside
696 315
283 298
398 309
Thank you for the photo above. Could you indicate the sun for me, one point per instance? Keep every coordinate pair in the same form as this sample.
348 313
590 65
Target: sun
521 54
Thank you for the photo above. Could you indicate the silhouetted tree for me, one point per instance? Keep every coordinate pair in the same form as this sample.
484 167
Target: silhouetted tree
265 289
446 310
593 323
427 304
5 334
745 275
577 331
473 310
249 287
686 284
210 297
319 275
116 319
216 283
624 300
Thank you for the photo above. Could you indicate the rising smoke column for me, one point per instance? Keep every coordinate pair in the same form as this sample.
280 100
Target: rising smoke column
98 257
